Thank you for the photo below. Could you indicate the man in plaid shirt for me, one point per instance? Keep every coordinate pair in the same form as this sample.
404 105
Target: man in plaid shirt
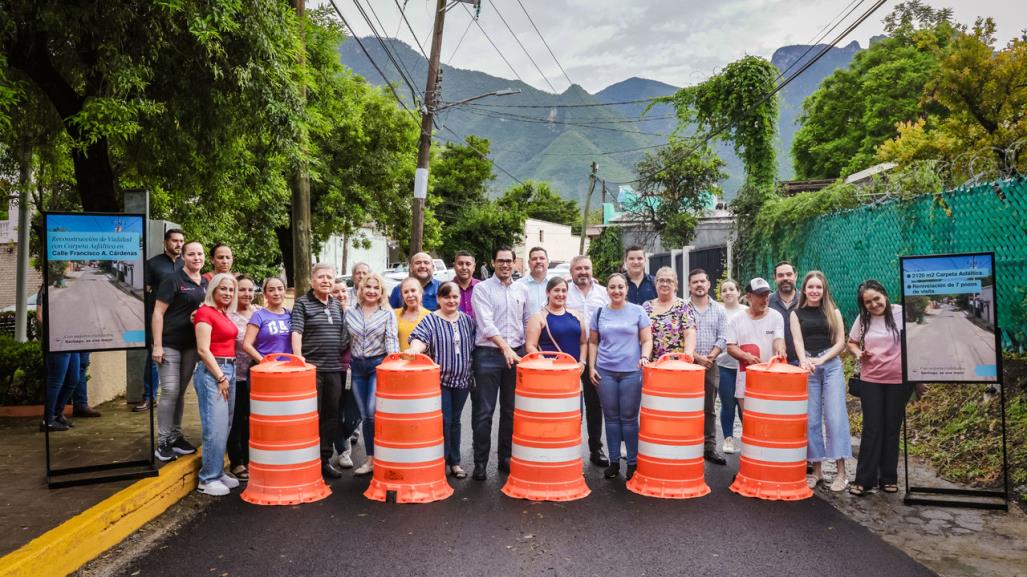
710 327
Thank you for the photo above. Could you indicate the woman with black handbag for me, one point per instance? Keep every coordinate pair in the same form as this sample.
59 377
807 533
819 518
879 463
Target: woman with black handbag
875 341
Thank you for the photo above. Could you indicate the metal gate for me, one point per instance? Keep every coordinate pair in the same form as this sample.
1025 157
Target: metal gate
711 259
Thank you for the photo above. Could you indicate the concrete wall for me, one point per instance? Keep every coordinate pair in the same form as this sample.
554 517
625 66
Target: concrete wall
554 237
377 255
107 376
8 272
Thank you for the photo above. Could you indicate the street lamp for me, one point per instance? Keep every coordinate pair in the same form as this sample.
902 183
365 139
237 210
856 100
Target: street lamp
504 92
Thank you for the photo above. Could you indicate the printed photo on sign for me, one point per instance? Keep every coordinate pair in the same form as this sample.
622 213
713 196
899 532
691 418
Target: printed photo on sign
950 318
94 281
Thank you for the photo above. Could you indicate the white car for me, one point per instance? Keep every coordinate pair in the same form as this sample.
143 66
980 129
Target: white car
442 274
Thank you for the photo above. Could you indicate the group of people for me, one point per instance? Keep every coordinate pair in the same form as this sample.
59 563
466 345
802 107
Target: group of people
207 327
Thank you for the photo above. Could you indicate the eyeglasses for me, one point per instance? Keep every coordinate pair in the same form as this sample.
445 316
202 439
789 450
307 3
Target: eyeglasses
665 281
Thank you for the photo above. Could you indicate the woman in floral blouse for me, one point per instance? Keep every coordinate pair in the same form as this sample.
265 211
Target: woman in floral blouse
673 326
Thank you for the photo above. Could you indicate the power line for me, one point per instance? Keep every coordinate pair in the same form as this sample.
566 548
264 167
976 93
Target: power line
534 120
459 43
403 15
724 126
525 50
398 65
584 105
537 31
813 43
487 37
483 155
371 60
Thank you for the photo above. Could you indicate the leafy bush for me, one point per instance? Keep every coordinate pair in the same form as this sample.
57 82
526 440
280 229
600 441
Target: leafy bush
606 253
22 372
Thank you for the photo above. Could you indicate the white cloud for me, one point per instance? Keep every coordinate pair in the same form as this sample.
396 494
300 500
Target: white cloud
600 42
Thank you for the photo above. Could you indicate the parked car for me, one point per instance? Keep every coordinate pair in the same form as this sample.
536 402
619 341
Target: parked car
442 273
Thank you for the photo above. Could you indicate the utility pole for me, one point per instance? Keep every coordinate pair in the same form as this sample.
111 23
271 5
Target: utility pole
301 240
588 202
424 147
24 216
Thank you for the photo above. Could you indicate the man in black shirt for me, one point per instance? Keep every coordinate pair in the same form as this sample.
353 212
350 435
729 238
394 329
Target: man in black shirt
784 301
319 335
157 269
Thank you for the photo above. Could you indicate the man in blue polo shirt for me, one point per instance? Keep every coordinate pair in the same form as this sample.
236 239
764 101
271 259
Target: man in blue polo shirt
421 268
641 286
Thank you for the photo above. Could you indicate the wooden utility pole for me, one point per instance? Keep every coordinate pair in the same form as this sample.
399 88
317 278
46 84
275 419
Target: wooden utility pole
424 147
301 239
588 202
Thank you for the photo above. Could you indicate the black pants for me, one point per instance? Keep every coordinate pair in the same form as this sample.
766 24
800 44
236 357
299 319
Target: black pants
349 415
493 381
239 435
329 387
883 407
593 412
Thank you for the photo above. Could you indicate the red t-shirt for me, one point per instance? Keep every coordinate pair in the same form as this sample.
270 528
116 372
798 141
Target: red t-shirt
223 330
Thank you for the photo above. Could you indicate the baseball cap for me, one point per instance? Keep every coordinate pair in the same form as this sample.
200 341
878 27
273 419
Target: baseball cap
758 285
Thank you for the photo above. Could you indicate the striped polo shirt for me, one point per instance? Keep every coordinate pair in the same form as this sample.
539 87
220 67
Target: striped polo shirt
324 331
451 345
374 334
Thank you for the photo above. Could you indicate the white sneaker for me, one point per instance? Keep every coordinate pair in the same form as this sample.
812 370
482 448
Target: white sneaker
729 445
215 488
345 459
364 469
229 481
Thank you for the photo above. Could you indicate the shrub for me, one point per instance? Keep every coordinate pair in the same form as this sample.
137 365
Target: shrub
22 372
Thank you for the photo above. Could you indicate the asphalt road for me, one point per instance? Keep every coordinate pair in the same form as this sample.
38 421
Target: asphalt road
94 310
481 532
948 346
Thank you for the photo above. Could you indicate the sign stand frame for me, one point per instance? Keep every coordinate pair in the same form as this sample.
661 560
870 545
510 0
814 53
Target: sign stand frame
948 496
143 467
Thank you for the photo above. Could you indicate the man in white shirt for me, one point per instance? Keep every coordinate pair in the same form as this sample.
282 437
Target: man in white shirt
500 314
585 296
535 281
756 335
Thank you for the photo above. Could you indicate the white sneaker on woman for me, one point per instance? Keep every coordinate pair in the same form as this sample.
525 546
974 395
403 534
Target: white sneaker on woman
345 460
215 488
729 445
364 469
229 481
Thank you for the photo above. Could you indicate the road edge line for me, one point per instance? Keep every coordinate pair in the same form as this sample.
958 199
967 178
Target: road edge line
69 546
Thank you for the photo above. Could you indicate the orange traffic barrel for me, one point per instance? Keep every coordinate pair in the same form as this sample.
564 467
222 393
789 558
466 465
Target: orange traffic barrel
285 448
546 462
670 435
773 461
409 461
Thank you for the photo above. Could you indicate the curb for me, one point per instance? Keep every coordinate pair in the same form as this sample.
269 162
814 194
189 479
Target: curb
67 547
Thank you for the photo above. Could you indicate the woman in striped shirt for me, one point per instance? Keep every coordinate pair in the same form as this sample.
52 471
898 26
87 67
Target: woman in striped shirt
447 335
373 334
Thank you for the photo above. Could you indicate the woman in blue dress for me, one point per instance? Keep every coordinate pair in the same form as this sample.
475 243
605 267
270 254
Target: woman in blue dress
556 328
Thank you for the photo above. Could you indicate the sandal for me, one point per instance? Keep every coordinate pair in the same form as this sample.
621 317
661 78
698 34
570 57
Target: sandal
458 472
858 490
241 472
889 488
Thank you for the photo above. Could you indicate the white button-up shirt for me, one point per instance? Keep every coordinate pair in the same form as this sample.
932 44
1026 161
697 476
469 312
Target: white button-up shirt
500 309
586 304
536 292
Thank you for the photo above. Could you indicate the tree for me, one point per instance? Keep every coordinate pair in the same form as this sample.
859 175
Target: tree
481 229
539 201
461 174
675 184
982 96
606 252
856 109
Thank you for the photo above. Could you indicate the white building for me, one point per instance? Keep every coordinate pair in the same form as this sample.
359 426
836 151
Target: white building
366 245
556 238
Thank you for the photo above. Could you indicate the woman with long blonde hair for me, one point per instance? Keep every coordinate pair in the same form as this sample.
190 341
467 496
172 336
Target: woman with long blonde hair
818 332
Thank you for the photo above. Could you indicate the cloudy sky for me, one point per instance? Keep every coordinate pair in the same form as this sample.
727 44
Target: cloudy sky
600 42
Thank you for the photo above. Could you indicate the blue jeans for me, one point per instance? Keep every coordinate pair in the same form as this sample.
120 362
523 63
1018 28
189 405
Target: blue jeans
728 402
151 378
364 379
493 381
828 415
215 418
62 373
453 401
621 395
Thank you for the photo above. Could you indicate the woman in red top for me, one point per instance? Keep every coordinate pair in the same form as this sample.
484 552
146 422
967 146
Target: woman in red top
214 380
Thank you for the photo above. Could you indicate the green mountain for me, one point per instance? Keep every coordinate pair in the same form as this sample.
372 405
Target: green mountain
555 137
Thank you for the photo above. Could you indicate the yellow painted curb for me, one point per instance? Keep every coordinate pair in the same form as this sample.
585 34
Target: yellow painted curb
67 547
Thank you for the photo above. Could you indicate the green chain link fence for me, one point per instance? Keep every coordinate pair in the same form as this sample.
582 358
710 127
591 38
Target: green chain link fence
854 245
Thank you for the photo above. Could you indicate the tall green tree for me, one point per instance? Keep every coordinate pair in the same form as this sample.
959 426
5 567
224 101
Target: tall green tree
857 108
540 201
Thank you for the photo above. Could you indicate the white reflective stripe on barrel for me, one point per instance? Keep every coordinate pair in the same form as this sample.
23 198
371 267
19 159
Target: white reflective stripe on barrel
771 455
409 406
670 452
286 457
283 408
539 455
418 455
769 407
548 404
672 404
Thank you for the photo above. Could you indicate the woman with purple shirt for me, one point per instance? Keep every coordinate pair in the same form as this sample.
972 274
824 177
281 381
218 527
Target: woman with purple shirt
268 329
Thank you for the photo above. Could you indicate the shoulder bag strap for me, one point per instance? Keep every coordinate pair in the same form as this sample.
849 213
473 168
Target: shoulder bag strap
548 332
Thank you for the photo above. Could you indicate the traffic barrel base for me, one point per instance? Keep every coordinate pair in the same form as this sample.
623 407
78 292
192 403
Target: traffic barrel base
773 481
680 476
409 450
285 447
546 463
